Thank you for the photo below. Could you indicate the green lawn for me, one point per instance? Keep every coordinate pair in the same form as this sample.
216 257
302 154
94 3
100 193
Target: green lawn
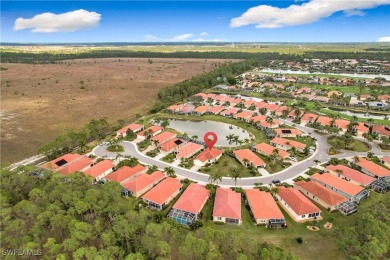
335 113
356 145
225 167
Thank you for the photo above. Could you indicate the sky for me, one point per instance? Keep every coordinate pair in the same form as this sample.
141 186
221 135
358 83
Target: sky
195 21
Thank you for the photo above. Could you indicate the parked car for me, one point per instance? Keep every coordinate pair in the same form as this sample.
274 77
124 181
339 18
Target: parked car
275 181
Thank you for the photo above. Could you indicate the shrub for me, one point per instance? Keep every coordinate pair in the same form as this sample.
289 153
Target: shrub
299 240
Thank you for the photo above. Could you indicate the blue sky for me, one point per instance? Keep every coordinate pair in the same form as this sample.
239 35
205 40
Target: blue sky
231 21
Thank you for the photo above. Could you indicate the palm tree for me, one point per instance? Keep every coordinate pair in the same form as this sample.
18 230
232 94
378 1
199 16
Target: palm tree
215 177
246 141
246 162
236 174
118 156
133 161
152 168
257 185
230 138
240 142
370 155
235 139
155 142
339 171
356 159
170 172
165 123
185 134
385 140
274 155
194 137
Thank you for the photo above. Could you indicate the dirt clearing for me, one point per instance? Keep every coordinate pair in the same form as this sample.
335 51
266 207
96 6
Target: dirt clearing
40 101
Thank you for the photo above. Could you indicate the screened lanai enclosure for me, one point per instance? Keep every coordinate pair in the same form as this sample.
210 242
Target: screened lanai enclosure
347 208
182 217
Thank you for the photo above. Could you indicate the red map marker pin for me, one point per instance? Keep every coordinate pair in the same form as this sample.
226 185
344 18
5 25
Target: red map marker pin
210 143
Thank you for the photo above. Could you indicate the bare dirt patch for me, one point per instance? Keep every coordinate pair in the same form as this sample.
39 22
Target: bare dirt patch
313 228
41 101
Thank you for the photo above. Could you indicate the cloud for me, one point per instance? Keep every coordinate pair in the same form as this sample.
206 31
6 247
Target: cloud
150 37
65 22
182 37
208 40
266 16
384 39
203 34
354 12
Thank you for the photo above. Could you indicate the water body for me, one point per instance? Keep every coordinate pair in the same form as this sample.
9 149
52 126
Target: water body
360 115
355 75
199 128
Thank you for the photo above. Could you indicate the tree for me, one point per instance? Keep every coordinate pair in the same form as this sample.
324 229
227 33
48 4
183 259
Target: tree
230 138
165 123
246 162
257 185
151 169
235 175
215 177
170 172
236 139
356 159
194 137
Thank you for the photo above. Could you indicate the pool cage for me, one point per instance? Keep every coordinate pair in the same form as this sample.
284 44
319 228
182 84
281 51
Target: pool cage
347 208
362 195
182 217
277 223
380 186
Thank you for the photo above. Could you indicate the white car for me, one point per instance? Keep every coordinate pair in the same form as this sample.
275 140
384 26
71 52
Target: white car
293 159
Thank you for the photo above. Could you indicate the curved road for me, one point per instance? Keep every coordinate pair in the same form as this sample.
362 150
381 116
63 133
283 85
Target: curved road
321 154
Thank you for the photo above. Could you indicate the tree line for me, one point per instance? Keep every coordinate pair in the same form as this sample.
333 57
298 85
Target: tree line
69 218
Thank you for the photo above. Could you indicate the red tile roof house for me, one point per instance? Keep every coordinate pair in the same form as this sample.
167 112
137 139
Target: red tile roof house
244 115
297 205
351 191
267 150
324 120
381 130
227 206
361 128
186 110
175 108
248 103
342 124
153 130
163 137
208 156
386 161
260 105
288 132
215 110
100 170
188 207
292 115
268 125
351 175
200 110
126 173
264 209
304 90
318 193
280 110
252 159
76 166
257 119
142 183
287 144
372 169
272 107
230 111
188 150
163 193
308 118
133 127
172 145
61 162
321 99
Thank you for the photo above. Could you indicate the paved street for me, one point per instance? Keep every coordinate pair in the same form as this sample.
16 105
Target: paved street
321 154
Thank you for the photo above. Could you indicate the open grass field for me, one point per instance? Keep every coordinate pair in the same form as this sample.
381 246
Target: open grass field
225 167
316 245
41 101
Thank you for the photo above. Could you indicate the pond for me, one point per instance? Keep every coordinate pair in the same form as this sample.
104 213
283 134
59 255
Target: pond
368 76
199 128
360 115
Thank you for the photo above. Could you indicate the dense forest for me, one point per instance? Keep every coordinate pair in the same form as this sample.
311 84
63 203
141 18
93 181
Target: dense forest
31 57
69 218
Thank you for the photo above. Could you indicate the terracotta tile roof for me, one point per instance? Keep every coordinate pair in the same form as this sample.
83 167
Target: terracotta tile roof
268 150
263 205
275 123
272 107
338 183
125 172
140 182
171 144
297 201
292 143
227 204
188 149
257 119
201 109
386 159
163 137
175 107
76 165
352 174
61 161
220 97
229 111
289 131
248 154
216 109
292 114
307 117
260 105
132 127
187 108
382 130
208 154
281 109
249 102
328 196
324 120
99 168
244 114
192 199
372 167
163 191
153 128
341 123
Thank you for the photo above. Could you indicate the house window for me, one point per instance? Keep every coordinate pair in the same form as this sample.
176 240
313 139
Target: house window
303 216
219 218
